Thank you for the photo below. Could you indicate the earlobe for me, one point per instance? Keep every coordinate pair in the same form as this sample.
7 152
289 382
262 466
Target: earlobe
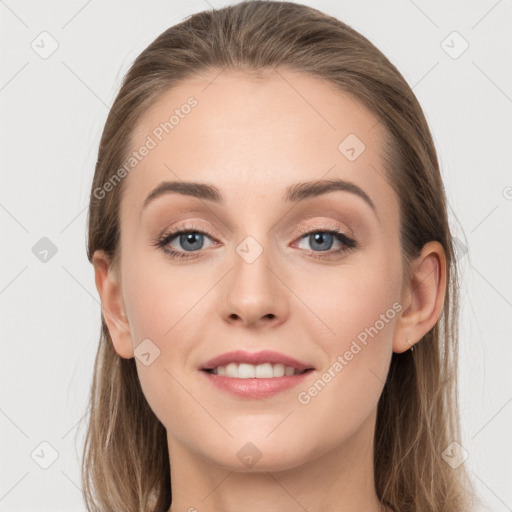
112 304
423 298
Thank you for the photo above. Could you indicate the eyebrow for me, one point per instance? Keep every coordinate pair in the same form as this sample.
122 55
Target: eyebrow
294 193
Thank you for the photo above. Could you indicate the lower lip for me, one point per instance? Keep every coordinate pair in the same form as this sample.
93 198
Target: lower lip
256 388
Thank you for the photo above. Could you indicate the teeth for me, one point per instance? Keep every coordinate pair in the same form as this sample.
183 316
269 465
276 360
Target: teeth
250 371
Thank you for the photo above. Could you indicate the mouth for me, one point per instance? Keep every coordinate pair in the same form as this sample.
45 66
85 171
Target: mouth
261 371
255 382
255 375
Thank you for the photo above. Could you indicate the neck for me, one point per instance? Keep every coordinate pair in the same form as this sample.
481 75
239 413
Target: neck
340 480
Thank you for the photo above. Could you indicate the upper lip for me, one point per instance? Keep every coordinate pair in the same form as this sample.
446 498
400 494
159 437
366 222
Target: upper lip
254 358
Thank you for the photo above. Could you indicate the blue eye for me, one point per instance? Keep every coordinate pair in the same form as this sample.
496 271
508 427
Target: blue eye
323 239
191 240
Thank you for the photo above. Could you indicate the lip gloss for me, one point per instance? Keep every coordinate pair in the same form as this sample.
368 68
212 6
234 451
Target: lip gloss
255 388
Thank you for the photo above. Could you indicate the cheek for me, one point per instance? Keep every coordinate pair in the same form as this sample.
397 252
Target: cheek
355 336
355 312
160 299
167 305
164 306
349 301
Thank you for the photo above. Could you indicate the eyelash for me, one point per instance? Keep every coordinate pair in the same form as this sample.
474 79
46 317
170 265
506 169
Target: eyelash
348 243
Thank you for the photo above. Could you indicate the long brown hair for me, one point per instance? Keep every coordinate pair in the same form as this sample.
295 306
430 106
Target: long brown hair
125 459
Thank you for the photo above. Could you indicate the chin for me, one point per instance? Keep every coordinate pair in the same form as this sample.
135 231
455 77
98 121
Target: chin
254 455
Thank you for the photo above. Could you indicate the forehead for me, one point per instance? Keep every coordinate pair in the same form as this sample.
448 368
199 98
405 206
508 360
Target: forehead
257 135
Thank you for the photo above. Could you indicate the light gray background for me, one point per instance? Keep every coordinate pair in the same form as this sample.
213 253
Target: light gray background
52 114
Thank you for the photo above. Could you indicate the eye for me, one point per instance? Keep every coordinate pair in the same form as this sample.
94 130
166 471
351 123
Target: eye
321 239
189 239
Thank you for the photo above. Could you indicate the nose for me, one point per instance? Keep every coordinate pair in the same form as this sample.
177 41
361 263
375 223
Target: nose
254 292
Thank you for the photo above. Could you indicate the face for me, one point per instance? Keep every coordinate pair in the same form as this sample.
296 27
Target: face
312 276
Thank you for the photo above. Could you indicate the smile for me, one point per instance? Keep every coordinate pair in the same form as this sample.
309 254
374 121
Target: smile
250 371
252 387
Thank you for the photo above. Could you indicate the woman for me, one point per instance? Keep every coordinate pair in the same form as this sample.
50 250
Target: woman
270 241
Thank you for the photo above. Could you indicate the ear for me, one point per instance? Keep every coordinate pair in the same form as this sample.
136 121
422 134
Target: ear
423 297
112 304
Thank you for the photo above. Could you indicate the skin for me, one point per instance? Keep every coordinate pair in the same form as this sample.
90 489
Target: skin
252 139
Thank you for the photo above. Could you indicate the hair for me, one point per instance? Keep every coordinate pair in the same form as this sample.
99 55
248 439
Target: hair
125 463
